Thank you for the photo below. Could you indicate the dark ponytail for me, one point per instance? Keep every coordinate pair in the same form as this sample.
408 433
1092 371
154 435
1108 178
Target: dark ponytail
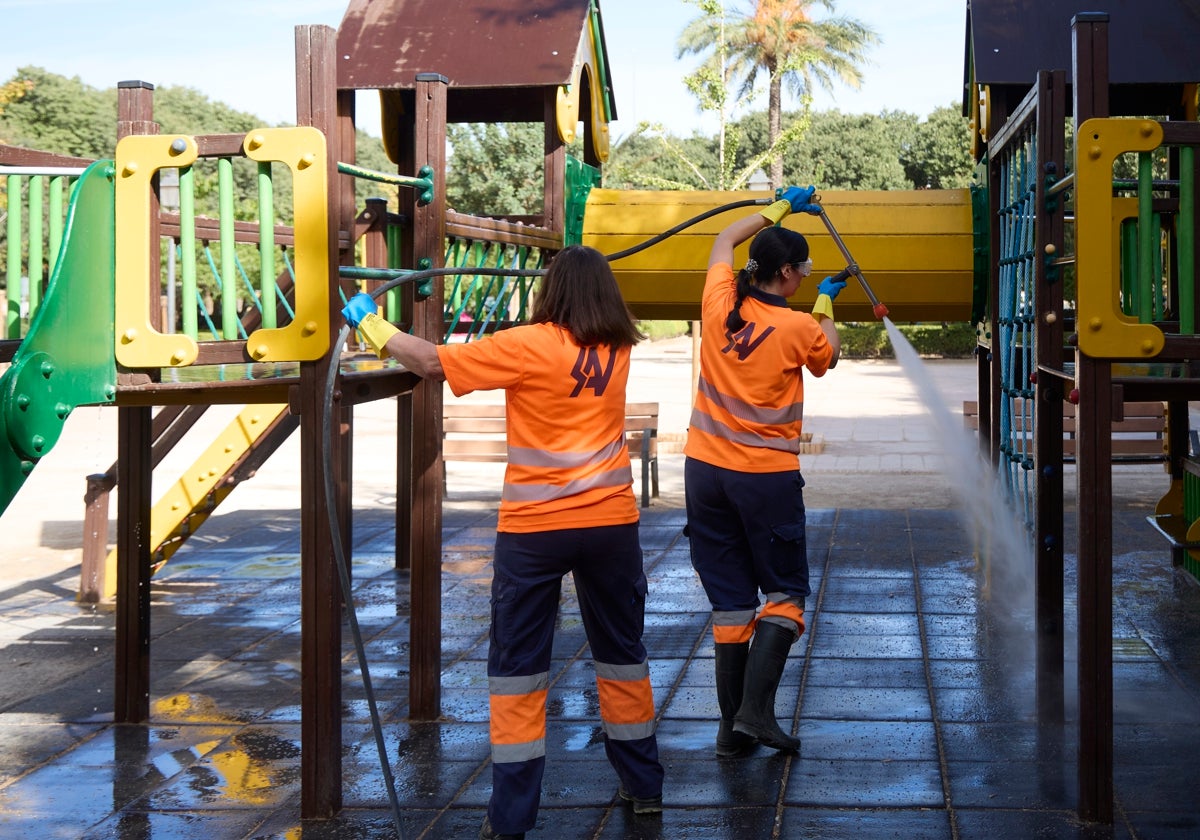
770 250
734 321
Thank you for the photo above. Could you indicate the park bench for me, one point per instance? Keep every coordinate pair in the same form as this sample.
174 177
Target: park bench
476 432
1139 437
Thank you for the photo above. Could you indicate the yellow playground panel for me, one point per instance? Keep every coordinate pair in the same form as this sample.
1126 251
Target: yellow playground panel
915 248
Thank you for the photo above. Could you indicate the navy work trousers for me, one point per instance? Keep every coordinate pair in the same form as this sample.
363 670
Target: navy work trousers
606 564
747 533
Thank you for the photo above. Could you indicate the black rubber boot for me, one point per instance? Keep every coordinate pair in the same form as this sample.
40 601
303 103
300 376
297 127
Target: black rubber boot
730 669
764 668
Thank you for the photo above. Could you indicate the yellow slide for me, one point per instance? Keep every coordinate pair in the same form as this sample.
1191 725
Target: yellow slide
232 457
915 249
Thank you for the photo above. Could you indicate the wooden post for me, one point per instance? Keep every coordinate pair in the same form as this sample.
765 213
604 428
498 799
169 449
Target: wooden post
95 538
375 239
320 586
1048 309
429 234
1093 458
135 115
131 703
554 170
406 161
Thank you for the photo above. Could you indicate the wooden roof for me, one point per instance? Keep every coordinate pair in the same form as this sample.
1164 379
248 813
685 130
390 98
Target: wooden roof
500 56
1152 43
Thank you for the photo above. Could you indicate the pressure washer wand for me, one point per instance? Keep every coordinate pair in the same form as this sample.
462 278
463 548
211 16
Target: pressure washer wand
878 308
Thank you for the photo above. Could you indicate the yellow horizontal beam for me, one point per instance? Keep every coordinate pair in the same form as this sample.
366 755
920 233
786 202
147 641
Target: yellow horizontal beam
914 247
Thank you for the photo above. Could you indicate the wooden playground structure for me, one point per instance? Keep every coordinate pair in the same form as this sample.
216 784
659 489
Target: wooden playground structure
922 250
1129 336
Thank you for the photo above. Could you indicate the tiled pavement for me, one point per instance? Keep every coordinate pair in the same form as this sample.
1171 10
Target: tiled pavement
913 694
913 690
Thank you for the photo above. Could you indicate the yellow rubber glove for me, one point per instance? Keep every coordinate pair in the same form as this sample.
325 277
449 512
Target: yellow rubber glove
775 213
823 307
376 332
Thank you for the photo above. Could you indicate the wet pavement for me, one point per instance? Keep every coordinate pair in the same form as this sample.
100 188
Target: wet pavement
913 690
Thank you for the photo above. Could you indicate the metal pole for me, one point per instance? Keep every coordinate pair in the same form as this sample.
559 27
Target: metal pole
879 309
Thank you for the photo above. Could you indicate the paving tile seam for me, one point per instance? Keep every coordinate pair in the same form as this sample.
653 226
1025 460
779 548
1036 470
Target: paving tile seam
943 768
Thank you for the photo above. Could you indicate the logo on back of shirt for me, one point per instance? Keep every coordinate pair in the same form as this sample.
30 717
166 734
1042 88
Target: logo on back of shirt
590 373
743 342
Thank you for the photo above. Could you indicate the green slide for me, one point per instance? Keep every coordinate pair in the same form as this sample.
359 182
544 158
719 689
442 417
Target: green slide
67 357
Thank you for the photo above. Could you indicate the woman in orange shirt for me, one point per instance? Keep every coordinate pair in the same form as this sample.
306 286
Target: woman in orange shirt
567 507
744 491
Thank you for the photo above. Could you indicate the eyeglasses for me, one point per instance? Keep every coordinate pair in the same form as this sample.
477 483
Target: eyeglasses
805 267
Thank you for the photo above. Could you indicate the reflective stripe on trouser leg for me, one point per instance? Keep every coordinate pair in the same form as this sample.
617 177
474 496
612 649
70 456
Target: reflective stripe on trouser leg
732 627
626 700
627 714
785 611
611 587
526 589
518 735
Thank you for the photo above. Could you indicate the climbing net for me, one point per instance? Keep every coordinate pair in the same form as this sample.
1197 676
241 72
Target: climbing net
1015 317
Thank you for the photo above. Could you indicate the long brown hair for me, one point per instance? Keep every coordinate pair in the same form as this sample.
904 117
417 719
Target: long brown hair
580 294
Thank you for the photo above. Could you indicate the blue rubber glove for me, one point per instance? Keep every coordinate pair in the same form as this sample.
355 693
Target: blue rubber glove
801 199
358 307
830 287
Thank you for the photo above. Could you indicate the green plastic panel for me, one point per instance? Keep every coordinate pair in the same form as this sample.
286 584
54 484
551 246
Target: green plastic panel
66 359
580 178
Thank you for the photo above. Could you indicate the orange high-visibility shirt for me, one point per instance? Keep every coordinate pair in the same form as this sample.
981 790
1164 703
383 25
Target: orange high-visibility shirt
568 465
749 407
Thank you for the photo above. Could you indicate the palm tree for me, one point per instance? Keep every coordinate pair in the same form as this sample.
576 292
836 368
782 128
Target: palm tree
781 39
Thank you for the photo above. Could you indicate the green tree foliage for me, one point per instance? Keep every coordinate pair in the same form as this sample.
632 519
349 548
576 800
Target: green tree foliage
650 159
11 91
784 42
853 152
60 115
496 169
846 151
939 156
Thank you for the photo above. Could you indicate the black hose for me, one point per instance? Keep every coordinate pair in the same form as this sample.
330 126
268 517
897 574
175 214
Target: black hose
343 567
724 208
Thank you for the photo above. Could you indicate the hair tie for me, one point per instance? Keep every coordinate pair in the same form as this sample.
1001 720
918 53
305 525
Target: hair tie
751 266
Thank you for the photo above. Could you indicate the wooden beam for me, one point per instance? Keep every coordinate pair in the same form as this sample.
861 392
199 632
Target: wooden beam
1089 36
429 233
1049 226
135 115
320 586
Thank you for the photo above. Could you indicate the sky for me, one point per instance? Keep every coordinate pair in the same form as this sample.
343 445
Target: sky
242 53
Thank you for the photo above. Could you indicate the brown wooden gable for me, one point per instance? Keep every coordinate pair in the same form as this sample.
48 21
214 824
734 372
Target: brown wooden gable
500 56
1152 47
